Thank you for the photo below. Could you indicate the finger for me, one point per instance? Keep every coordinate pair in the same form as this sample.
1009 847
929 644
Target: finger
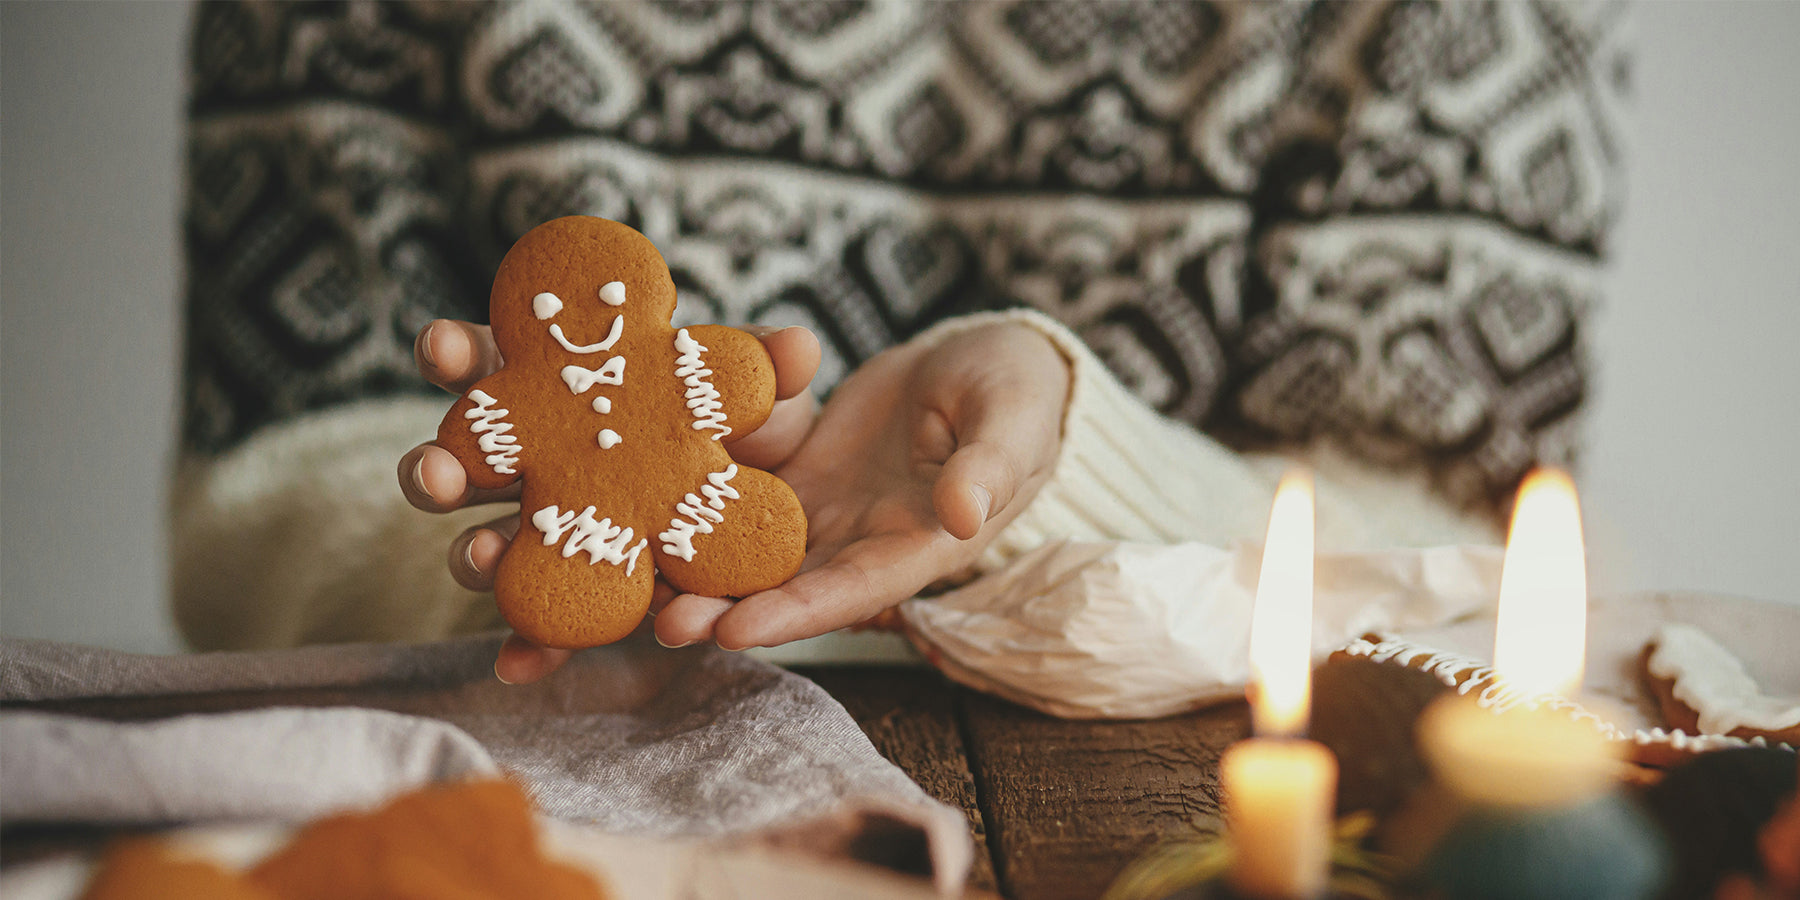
779 437
432 480
523 662
475 554
689 619
660 595
1005 438
860 581
454 355
795 352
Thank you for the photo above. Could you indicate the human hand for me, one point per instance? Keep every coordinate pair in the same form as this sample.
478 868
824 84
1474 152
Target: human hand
915 464
454 355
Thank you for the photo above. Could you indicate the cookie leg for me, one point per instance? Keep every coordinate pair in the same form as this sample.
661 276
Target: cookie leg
595 595
731 536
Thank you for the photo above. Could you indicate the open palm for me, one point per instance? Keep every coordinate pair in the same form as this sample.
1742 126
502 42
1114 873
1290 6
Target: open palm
919 459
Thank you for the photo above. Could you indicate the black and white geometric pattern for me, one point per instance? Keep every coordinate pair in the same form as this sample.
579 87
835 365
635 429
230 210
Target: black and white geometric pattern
1379 224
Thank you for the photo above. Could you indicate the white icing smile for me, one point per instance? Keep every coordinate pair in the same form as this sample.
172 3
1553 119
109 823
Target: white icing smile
612 337
547 305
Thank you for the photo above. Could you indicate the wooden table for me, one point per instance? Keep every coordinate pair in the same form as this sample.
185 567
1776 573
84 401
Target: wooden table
1056 808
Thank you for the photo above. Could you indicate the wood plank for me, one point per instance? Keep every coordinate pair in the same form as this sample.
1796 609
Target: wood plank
910 715
1070 804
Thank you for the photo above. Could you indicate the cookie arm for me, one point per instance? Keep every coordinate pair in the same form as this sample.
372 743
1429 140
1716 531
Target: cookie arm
482 431
728 379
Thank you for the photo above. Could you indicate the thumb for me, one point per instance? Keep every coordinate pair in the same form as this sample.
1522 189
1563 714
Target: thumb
795 353
978 480
1006 438
523 662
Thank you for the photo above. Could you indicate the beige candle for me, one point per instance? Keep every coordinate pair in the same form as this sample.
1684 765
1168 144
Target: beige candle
1279 794
1279 788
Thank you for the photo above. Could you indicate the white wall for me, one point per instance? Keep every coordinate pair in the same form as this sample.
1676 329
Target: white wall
1689 482
90 103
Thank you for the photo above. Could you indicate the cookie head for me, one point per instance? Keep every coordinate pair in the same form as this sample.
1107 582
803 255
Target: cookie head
574 285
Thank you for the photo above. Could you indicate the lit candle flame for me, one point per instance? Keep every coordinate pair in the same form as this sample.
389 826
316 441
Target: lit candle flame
1540 639
1281 623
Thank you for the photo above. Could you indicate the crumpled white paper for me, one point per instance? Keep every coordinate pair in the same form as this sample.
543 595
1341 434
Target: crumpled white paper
1120 630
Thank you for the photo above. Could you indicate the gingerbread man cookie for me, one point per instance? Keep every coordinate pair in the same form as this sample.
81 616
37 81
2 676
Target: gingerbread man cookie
617 422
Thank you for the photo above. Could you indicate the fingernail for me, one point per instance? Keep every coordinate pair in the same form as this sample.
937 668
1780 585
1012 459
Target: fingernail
983 499
425 345
469 557
672 646
769 331
418 475
497 676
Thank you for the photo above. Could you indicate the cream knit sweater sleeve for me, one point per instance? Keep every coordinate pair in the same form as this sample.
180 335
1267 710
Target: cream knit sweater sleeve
300 534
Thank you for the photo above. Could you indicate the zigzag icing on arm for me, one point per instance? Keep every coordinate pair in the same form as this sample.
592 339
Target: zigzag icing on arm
696 513
602 539
491 433
702 397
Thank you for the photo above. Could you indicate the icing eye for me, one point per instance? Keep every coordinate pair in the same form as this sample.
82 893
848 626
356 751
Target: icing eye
612 293
547 304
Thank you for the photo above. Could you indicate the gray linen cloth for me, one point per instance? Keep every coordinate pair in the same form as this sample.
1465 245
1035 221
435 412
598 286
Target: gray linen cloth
629 738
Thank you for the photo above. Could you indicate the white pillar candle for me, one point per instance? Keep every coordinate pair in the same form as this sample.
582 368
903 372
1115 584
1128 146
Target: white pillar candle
1278 800
1280 789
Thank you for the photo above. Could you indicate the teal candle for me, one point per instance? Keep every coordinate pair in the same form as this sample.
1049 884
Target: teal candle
1603 848
1542 814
